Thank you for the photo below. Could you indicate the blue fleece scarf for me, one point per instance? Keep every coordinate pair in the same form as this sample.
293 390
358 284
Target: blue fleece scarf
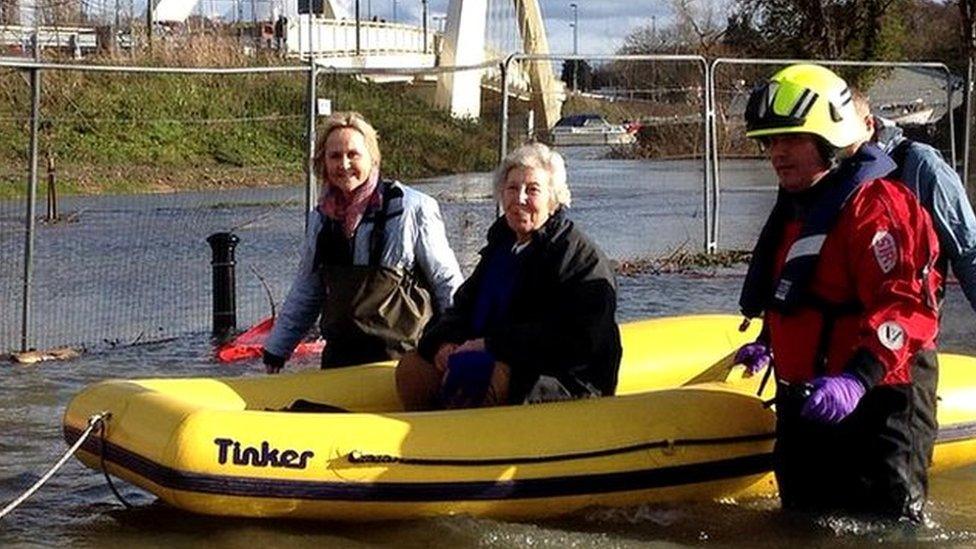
496 289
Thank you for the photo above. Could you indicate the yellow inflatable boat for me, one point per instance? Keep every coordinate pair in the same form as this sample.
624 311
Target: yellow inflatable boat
224 447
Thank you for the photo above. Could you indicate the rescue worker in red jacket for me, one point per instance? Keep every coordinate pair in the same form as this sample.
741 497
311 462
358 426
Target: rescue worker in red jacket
843 275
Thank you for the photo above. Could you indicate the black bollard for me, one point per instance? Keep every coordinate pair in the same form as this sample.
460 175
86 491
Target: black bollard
224 284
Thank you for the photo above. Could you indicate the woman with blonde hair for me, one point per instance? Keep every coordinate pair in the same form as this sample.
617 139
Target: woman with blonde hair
376 264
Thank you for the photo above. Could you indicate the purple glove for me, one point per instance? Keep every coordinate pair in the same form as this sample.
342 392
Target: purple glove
833 398
754 356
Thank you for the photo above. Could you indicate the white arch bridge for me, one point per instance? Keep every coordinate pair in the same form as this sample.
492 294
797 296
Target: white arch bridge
333 38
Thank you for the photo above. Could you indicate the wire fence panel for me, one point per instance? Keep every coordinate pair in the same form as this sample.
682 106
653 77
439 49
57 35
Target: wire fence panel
915 95
137 268
145 167
632 131
421 141
12 259
14 134
138 167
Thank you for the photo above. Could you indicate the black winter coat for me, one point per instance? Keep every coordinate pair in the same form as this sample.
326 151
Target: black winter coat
560 321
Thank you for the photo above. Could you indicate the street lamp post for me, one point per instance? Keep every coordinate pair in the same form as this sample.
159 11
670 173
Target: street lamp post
424 17
575 28
358 29
575 25
654 46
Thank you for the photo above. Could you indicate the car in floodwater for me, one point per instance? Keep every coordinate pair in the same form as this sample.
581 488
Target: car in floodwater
590 129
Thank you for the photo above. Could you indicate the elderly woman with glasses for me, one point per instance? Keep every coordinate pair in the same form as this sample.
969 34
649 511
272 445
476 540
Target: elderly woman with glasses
535 320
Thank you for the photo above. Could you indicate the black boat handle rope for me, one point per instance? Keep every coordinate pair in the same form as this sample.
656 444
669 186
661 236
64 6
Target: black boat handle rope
359 457
101 455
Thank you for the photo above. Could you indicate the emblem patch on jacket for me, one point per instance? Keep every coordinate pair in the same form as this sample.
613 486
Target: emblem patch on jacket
885 250
891 335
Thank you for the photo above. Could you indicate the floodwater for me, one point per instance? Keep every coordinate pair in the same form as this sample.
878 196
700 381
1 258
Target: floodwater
661 213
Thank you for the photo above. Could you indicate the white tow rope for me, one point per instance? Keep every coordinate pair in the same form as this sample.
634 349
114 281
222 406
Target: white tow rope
94 422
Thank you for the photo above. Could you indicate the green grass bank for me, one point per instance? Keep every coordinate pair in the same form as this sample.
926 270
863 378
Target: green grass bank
136 133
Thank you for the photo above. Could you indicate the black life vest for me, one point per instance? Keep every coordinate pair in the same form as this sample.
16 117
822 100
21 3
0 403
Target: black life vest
760 291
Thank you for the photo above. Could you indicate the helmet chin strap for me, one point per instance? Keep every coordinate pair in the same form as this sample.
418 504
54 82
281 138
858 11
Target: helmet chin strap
848 151
830 154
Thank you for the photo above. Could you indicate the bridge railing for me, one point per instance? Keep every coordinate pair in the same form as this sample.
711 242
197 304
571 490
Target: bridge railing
68 38
342 37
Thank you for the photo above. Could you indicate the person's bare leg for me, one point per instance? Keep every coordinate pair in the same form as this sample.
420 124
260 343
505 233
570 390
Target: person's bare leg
418 383
497 394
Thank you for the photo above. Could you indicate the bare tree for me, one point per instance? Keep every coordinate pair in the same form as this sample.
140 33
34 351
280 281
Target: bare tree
703 21
828 29
696 26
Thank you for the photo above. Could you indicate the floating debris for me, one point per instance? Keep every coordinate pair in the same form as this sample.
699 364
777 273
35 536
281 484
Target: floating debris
33 357
681 261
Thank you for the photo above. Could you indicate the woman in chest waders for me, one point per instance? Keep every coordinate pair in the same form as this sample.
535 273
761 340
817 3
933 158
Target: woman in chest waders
376 263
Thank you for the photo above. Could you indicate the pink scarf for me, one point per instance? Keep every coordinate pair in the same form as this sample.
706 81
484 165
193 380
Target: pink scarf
348 210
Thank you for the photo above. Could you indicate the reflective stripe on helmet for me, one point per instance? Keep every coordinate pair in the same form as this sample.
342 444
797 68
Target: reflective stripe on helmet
805 99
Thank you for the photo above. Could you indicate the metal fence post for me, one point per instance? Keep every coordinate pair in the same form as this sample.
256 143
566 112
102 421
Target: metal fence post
310 190
967 102
30 222
710 152
503 138
503 123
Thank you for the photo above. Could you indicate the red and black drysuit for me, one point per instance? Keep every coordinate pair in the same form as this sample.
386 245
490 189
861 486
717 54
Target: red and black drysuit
844 275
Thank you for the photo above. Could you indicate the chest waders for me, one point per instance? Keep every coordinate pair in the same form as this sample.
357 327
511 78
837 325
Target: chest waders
371 312
875 461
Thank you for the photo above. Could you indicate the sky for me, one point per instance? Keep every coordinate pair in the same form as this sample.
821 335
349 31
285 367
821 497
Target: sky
603 24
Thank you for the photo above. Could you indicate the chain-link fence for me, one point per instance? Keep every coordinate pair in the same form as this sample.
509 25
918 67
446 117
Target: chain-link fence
919 97
632 129
421 141
137 167
147 163
134 170
15 102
